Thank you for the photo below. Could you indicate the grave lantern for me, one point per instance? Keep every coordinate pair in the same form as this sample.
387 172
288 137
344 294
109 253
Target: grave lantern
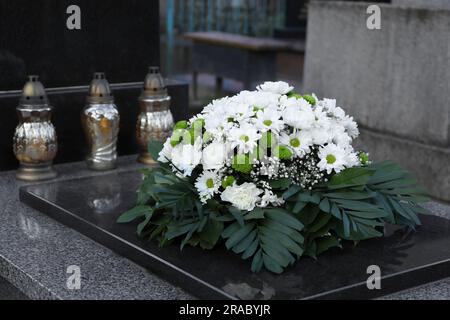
100 119
155 121
35 143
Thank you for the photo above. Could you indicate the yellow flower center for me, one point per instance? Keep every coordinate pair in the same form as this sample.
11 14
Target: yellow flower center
268 123
295 142
331 159
210 183
245 138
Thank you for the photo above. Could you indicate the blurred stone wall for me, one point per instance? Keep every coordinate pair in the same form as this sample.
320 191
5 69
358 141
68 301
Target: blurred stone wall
436 4
395 81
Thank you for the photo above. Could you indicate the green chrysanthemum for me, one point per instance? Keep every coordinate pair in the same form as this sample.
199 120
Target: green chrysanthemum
181 125
228 182
176 137
282 152
310 99
241 163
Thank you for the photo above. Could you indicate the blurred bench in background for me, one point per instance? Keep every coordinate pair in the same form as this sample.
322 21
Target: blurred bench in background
244 58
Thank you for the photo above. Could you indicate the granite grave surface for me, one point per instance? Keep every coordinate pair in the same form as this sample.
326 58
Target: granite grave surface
91 206
35 252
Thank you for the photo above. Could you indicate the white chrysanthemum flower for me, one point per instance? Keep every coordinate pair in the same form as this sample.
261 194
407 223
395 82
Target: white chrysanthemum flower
195 118
286 102
328 104
270 198
338 113
299 118
279 87
299 142
244 137
257 99
216 106
350 126
208 185
240 112
341 139
352 159
320 131
214 156
186 156
243 197
338 134
332 158
269 119
166 153
217 125
319 136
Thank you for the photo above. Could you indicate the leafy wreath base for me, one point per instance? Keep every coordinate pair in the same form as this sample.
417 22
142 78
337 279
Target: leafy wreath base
353 206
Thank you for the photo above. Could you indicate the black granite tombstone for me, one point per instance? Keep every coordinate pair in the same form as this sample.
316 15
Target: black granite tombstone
120 38
405 258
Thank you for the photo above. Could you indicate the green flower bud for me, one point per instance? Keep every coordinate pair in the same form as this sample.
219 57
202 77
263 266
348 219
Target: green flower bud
199 123
310 99
364 158
176 137
241 163
228 182
293 94
190 136
181 125
282 152
207 137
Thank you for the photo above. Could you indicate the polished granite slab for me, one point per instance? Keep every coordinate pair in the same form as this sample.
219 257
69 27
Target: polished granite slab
36 250
91 206
9 292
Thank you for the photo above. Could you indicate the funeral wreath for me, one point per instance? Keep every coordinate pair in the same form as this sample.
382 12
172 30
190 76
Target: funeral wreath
273 176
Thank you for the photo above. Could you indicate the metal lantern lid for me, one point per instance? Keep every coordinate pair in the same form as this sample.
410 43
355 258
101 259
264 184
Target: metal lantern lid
99 90
154 85
33 93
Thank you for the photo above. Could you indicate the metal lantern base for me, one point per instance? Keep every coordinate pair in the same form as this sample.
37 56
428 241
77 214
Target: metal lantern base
146 158
101 166
40 172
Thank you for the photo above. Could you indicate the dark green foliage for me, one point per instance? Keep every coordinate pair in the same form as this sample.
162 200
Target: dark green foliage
354 205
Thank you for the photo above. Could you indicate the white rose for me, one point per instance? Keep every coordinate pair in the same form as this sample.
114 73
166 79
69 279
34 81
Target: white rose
279 87
214 156
243 197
